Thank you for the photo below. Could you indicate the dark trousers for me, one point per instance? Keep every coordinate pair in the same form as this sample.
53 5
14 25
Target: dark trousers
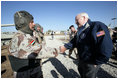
88 70
30 73
33 70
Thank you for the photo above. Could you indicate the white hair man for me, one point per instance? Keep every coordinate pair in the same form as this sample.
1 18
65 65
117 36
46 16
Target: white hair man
93 43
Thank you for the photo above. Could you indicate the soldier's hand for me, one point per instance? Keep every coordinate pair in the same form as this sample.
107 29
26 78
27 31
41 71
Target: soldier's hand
55 52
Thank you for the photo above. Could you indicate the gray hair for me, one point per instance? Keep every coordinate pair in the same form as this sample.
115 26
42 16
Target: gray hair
84 14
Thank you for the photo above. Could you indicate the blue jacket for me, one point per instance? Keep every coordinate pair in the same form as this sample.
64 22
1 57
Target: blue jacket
93 43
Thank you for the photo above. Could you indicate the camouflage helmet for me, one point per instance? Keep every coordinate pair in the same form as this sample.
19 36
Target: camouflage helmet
37 25
22 20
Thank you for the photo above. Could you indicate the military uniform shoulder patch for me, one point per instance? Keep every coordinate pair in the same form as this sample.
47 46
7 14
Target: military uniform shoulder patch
100 33
31 43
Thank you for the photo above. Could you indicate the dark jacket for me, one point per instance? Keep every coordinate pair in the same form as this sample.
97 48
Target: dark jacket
94 44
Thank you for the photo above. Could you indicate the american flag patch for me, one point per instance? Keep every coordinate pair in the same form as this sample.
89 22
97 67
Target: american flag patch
100 33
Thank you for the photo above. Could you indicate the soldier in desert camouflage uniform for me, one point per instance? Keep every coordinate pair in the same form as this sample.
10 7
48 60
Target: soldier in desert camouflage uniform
24 50
38 33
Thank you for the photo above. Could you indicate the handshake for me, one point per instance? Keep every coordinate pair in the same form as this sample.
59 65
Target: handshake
61 49
47 52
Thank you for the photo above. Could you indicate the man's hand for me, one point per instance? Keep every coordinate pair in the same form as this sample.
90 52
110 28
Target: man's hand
62 49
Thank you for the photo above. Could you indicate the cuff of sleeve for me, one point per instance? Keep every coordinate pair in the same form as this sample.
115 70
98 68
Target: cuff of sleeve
68 46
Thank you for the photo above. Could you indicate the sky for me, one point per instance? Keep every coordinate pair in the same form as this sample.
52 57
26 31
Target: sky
59 15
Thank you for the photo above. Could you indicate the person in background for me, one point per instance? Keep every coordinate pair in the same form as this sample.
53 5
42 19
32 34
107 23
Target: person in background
65 33
38 33
52 34
72 32
71 35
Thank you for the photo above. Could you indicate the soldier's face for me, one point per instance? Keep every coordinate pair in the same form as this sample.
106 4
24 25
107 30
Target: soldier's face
38 28
31 25
73 29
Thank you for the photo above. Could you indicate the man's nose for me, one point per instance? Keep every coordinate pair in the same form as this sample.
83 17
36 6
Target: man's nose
33 24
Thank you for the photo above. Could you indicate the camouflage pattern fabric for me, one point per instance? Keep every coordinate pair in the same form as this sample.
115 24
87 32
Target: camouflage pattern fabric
46 52
23 45
39 36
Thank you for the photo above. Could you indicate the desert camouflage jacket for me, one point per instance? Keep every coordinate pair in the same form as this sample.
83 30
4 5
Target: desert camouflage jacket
23 45
39 36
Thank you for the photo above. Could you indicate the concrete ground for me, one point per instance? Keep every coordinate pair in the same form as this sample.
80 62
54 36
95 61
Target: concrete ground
61 66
